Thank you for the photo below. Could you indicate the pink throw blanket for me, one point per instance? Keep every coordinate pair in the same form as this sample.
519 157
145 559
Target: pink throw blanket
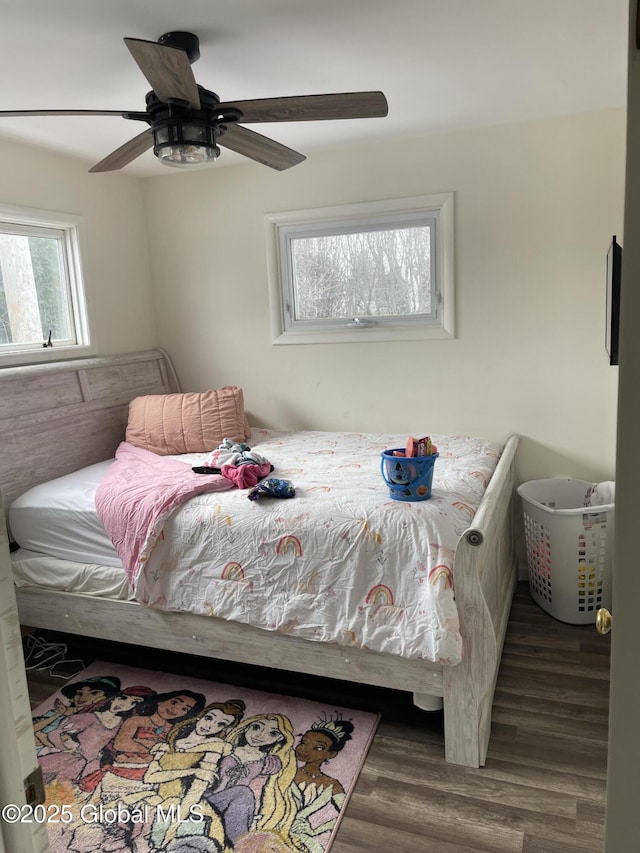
139 491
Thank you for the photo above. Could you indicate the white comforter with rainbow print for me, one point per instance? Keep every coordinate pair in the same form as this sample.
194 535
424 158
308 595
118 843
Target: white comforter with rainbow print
341 562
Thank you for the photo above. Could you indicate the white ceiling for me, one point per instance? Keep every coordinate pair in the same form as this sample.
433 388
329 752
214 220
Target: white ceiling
443 64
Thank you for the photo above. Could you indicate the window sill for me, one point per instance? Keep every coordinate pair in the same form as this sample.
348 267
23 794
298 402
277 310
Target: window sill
360 336
44 355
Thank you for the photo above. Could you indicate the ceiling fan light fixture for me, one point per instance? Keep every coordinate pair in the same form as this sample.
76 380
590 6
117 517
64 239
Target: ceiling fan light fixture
185 144
187 155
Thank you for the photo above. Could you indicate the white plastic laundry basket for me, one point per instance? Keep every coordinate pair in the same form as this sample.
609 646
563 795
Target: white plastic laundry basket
569 549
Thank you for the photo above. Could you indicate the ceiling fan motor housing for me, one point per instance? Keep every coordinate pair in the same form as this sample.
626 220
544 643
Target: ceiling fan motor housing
188 42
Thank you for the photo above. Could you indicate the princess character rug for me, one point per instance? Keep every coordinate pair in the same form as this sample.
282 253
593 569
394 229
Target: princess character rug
143 761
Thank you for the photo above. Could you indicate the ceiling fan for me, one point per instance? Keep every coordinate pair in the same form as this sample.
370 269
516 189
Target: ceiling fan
187 123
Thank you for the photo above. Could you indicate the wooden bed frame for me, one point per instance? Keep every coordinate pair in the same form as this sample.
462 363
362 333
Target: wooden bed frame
59 417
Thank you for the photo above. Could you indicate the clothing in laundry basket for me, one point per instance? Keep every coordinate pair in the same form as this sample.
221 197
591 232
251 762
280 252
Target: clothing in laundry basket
600 494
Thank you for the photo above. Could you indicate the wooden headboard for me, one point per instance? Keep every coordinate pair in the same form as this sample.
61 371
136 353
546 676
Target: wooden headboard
58 417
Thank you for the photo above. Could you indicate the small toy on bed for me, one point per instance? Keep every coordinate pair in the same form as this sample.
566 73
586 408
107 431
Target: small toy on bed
272 487
410 480
417 447
420 447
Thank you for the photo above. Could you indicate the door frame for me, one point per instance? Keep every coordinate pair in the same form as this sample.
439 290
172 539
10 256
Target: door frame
622 828
17 744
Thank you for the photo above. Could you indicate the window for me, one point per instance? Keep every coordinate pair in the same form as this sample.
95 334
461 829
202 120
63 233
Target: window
42 306
374 271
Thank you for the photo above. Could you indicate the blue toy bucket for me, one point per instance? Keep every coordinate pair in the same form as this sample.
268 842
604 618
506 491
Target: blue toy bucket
409 477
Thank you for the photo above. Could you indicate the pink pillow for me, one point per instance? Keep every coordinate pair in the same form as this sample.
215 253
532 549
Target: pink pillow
187 423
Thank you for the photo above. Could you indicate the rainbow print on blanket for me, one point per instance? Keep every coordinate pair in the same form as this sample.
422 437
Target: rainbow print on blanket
143 761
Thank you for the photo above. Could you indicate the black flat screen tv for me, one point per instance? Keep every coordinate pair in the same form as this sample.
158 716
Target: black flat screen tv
614 278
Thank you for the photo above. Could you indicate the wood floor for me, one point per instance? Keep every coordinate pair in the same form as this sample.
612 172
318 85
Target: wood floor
543 787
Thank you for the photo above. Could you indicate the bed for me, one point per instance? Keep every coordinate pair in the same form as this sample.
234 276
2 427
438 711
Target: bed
71 416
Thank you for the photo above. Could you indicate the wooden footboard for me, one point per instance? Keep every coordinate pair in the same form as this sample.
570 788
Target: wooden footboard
484 579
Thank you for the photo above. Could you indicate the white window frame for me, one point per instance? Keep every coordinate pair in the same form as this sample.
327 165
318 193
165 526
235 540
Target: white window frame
282 227
24 220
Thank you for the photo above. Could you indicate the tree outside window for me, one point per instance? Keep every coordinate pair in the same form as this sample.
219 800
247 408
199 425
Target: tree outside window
41 298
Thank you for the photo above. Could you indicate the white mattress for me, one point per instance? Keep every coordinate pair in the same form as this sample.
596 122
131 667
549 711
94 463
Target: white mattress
33 569
59 519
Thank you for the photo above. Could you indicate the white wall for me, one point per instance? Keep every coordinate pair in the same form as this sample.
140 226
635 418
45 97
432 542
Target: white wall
116 259
536 206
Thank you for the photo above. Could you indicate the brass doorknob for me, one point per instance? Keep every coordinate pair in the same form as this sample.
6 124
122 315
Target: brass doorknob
603 621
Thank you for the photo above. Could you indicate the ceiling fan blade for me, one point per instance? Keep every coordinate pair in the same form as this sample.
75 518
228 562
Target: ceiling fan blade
258 147
122 113
167 69
312 107
126 153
